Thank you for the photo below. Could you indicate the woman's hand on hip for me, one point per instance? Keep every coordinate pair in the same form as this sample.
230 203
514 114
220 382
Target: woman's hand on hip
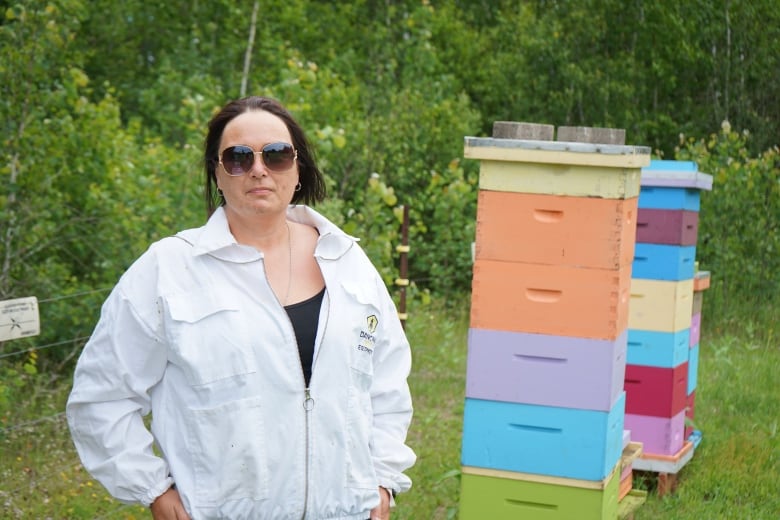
168 506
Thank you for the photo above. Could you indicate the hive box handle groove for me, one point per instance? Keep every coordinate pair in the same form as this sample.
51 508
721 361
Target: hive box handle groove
543 359
548 215
543 295
533 428
525 503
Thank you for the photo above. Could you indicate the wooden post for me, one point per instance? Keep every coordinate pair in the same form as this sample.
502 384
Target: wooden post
402 281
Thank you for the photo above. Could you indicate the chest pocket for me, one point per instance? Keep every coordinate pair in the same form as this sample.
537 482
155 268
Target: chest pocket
208 336
364 330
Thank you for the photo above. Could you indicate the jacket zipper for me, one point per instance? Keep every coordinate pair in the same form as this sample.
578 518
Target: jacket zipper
308 405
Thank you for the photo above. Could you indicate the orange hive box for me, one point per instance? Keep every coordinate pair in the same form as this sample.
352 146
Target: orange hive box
544 299
556 230
701 281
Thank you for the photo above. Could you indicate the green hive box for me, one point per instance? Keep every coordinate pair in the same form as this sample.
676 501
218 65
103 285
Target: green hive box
503 497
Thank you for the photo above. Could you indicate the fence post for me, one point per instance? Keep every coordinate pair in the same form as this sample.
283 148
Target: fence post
403 281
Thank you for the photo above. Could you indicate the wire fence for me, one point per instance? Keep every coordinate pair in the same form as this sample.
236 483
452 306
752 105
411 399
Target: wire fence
41 474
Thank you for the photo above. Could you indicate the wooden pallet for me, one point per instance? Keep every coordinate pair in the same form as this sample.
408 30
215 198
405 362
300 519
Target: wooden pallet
666 466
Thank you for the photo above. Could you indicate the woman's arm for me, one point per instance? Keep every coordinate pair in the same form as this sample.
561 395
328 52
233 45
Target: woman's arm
391 400
123 359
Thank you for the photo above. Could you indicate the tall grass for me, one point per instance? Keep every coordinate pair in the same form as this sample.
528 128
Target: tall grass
735 471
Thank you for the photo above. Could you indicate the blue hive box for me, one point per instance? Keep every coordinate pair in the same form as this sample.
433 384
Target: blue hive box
545 440
663 262
657 349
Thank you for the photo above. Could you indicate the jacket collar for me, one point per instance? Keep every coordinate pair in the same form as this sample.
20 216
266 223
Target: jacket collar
215 238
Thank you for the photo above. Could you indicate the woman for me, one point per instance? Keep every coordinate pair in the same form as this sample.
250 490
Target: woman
264 343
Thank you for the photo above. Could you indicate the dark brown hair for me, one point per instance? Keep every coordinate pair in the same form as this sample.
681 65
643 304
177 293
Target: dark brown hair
311 179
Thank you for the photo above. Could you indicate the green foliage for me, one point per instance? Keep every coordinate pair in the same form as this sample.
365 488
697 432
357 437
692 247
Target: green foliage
739 234
81 196
445 222
103 122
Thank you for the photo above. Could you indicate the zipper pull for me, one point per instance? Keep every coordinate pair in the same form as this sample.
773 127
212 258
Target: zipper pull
308 402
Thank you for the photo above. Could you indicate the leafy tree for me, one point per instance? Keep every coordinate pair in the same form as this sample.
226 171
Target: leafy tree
739 234
82 194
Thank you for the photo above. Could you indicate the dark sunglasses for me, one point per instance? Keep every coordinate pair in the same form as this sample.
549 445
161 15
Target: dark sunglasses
277 157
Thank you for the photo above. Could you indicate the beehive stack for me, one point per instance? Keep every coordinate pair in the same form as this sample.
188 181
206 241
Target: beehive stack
662 358
701 282
543 418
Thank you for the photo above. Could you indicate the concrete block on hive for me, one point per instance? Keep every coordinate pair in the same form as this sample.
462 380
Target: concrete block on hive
521 130
588 134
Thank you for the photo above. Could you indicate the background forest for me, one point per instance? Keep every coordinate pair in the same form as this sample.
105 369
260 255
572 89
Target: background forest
103 107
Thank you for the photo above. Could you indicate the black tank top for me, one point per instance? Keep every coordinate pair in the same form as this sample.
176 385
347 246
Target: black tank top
305 318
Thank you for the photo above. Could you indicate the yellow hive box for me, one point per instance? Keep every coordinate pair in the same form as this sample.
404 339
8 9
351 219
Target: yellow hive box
660 305
558 168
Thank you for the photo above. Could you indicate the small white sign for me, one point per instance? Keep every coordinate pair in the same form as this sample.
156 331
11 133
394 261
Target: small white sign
19 318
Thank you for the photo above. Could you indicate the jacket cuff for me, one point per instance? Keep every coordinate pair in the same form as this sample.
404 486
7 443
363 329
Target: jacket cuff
156 491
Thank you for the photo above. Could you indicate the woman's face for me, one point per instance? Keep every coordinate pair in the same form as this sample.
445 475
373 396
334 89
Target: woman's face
260 190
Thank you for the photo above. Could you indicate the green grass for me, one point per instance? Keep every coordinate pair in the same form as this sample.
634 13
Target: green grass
735 472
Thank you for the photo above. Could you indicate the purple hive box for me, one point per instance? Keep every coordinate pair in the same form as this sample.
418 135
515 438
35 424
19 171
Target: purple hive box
545 370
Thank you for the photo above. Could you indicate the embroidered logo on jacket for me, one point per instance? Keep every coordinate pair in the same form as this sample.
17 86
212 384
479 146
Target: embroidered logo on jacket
367 338
372 322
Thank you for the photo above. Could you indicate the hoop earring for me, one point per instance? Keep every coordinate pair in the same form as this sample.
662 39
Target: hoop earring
298 187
